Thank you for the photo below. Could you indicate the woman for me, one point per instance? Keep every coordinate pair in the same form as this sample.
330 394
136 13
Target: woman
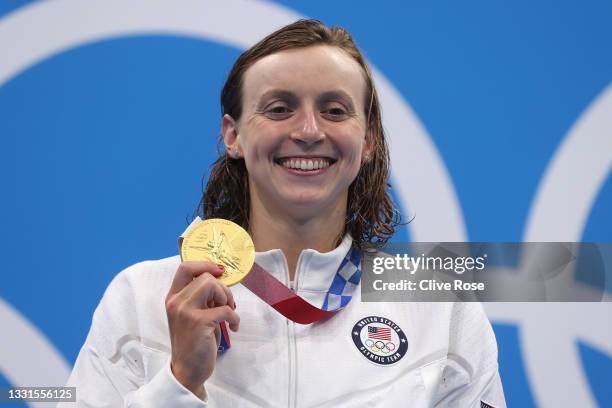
304 171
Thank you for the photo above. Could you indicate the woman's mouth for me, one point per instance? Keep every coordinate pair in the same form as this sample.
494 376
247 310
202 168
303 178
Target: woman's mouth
305 165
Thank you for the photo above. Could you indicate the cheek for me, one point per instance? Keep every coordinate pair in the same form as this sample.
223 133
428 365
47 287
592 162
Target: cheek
256 145
352 148
350 139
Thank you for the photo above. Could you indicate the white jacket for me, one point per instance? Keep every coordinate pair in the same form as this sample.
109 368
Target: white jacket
450 359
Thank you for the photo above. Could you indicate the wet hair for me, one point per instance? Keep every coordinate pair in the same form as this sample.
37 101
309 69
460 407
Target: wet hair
371 214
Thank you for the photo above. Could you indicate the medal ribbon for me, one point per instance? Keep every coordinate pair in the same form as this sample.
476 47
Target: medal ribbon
295 308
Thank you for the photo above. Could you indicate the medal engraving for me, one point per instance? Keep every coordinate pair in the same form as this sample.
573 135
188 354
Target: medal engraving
222 242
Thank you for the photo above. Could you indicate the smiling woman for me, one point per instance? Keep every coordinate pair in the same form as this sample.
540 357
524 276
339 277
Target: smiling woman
303 135
304 94
304 171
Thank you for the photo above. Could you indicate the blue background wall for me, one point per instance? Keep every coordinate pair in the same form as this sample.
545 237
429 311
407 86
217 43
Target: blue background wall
110 140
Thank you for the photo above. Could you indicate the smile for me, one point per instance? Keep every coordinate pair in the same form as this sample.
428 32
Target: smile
305 163
305 166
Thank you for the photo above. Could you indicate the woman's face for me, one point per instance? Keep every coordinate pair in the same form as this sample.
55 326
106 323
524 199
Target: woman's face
303 129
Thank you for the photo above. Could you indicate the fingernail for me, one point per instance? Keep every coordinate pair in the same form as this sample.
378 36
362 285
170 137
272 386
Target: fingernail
221 267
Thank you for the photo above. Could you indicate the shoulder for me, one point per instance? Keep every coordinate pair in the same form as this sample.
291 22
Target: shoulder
133 304
471 371
145 276
472 344
470 327
140 281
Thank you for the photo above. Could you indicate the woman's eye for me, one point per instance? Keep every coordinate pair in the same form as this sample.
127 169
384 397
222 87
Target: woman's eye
335 113
278 112
279 109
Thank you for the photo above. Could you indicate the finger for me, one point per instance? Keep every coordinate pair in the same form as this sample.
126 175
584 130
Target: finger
218 334
205 292
230 296
189 270
223 313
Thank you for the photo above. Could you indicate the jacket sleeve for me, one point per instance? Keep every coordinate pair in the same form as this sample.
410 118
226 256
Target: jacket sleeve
109 370
470 377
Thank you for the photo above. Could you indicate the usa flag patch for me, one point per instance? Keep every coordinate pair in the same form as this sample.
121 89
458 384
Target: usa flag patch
380 340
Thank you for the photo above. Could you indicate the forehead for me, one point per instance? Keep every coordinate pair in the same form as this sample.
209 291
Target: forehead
306 72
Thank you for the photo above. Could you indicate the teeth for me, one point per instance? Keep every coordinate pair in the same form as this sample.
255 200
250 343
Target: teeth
305 164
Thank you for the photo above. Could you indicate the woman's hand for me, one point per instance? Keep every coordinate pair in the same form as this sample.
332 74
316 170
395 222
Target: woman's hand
195 305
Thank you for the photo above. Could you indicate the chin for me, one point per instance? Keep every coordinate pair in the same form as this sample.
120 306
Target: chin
305 201
314 202
302 198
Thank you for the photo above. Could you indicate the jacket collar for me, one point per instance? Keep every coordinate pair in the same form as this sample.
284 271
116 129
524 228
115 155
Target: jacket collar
315 270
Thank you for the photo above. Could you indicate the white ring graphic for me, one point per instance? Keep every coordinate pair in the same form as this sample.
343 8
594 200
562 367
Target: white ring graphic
580 166
574 176
559 213
423 183
23 348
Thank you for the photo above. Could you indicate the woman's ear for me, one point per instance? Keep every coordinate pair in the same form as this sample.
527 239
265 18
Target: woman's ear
368 147
229 131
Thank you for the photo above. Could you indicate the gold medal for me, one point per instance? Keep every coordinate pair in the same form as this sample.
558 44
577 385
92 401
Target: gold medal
222 242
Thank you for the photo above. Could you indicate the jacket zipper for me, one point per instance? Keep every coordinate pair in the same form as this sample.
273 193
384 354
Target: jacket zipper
291 343
292 365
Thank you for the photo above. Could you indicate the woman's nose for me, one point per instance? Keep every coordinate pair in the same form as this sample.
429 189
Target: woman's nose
308 130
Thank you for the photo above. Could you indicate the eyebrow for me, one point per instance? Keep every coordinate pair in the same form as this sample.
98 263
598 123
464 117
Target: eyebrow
337 94
275 93
327 96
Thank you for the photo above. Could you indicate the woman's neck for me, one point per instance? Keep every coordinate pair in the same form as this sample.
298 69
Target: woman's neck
271 230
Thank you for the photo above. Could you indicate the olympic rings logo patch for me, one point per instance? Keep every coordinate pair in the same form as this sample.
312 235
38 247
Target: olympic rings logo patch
379 346
380 340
